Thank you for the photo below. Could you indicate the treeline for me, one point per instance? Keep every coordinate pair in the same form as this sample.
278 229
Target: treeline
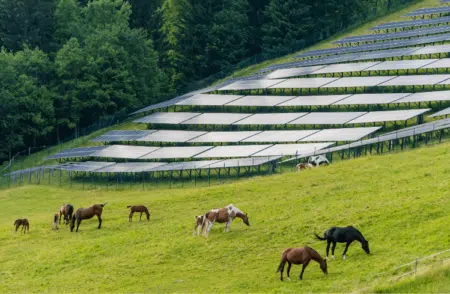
65 63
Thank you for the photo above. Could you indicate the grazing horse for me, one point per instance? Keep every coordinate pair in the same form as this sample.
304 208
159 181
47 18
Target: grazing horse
343 235
138 208
199 219
302 166
55 221
24 223
66 210
223 215
87 213
302 255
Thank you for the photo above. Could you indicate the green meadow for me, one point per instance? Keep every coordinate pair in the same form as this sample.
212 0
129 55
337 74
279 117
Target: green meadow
399 201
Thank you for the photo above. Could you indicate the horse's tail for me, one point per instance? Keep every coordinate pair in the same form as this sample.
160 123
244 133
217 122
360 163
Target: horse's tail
103 205
283 261
320 238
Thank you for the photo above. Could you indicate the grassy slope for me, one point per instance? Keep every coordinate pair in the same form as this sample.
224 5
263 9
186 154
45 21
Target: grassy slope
399 201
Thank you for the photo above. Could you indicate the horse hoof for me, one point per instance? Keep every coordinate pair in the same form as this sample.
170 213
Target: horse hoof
289 279
332 256
343 257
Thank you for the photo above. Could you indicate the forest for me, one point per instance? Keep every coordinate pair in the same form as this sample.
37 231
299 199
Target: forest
66 63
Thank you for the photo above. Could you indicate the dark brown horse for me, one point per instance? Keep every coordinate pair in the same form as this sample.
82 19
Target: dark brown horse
24 223
138 208
66 210
223 215
87 213
302 255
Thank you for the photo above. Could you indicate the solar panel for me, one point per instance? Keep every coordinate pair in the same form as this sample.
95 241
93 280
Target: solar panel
417 80
270 118
426 97
232 151
176 152
442 113
243 162
431 10
292 149
303 83
121 136
293 72
87 166
432 49
402 64
260 100
346 67
209 99
146 166
411 23
358 82
76 152
251 84
215 137
386 54
345 134
124 151
396 35
367 99
131 167
216 118
441 63
187 165
384 116
171 136
326 118
280 136
167 117
314 100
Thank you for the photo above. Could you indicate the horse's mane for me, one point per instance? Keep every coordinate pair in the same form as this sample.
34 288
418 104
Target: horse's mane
314 251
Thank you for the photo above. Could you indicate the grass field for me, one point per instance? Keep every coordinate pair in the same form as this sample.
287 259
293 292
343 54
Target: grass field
400 202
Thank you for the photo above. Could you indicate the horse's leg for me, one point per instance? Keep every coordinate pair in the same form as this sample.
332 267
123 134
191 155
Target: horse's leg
140 218
130 217
17 227
289 271
346 248
332 250
60 216
78 224
328 248
99 221
303 269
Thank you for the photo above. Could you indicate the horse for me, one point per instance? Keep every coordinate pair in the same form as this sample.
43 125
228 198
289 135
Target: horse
87 213
343 235
138 208
223 215
66 210
302 255
302 166
24 223
199 219
55 221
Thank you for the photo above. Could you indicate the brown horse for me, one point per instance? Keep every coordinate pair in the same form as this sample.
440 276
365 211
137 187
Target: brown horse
66 210
302 166
24 223
138 208
55 221
87 213
302 255
223 215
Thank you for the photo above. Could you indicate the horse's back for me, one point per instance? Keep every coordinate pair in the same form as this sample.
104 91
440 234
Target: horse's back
296 255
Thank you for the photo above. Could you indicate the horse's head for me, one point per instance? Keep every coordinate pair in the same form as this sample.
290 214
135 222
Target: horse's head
324 267
245 219
72 223
365 246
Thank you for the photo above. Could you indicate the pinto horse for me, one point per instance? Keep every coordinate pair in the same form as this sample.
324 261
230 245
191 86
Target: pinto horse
66 210
343 235
24 223
223 215
87 213
138 208
302 255
199 219
302 166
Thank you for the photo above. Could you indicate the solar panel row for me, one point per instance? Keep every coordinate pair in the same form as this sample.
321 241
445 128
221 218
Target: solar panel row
444 112
313 118
396 35
431 10
411 23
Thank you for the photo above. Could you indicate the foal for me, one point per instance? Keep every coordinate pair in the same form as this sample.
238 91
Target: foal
66 210
199 219
87 213
302 255
302 166
24 223
343 235
138 208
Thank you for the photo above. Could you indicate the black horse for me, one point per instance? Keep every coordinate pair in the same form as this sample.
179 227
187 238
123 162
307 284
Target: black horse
343 235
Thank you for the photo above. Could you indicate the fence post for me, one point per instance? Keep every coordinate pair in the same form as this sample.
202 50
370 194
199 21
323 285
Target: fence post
415 266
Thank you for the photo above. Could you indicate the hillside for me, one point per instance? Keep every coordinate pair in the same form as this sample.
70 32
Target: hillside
400 202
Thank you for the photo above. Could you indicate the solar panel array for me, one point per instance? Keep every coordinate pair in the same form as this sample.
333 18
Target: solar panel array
396 35
432 10
376 46
411 23
76 152
444 112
